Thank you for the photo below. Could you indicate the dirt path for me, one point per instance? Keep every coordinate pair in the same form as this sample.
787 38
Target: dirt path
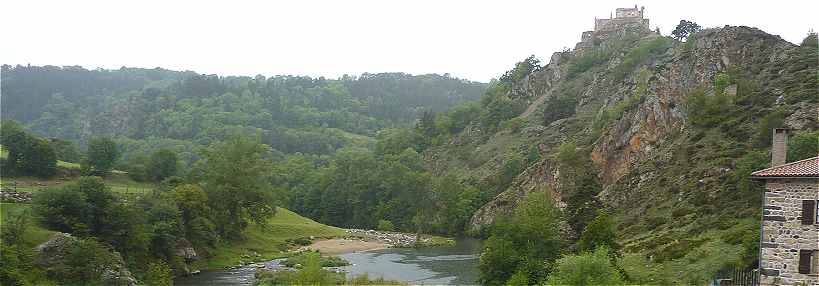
338 246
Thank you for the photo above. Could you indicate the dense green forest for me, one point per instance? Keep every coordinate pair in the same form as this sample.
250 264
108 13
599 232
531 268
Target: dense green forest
144 109
222 153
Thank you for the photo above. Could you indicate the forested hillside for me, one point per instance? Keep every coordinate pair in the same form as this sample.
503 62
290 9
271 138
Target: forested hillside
150 108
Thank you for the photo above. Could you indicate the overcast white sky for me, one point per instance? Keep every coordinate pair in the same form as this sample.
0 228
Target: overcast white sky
476 40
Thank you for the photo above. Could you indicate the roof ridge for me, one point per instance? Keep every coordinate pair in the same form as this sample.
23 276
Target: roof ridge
785 166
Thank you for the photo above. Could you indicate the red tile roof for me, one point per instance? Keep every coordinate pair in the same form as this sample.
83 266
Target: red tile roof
802 168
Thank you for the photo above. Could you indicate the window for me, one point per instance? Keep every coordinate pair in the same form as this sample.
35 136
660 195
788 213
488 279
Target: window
808 261
809 212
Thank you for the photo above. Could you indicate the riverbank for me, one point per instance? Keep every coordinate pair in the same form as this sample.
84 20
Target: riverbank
364 240
454 264
343 245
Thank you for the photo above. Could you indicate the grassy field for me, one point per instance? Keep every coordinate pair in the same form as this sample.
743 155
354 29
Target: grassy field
34 234
268 242
118 183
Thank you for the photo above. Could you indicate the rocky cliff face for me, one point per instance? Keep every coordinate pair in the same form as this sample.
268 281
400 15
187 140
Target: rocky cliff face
637 151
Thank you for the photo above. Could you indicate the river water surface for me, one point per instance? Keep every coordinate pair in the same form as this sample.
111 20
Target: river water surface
455 265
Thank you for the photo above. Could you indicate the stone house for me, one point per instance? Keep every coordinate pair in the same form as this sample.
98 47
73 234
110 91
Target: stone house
789 238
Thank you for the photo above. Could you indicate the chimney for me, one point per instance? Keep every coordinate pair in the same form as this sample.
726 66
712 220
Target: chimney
779 147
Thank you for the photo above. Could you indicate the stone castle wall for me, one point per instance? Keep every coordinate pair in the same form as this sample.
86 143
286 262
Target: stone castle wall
628 12
619 24
783 233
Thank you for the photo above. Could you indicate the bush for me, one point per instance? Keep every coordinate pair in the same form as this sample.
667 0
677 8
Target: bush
747 164
559 107
27 154
803 145
385 225
102 154
708 111
300 241
528 241
86 263
520 278
15 264
589 268
599 233
162 165
601 54
89 208
513 124
765 127
638 55
158 274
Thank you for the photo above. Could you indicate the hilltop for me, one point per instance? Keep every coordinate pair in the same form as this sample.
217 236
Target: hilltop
661 134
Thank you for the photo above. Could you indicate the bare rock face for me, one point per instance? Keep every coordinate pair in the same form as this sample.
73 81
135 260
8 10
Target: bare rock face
538 178
643 133
662 114
804 115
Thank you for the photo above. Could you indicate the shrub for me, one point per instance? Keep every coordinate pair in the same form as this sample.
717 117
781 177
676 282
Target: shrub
89 208
520 278
385 225
528 241
102 154
86 262
162 165
748 163
590 268
600 54
324 261
15 263
559 107
708 111
513 124
599 233
639 55
158 274
765 127
803 145
721 81
27 154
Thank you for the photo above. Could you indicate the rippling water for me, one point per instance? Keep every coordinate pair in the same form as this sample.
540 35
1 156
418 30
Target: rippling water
457 265
434 265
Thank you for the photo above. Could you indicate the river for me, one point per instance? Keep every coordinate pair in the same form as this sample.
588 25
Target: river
456 265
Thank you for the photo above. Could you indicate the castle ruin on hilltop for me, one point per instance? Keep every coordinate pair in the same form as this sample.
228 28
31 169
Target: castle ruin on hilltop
624 19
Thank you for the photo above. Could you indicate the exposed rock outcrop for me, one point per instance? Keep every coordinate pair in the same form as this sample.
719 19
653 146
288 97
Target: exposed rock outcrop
54 252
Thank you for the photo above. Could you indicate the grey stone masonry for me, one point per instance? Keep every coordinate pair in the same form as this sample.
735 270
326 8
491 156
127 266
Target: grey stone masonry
784 234
779 148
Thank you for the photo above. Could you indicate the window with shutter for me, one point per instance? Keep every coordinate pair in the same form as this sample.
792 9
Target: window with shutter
808 209
805 261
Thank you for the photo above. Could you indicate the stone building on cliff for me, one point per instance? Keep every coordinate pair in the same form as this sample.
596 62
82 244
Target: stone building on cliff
789 238
624 19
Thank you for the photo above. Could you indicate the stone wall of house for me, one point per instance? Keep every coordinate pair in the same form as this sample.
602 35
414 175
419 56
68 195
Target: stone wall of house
783 233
